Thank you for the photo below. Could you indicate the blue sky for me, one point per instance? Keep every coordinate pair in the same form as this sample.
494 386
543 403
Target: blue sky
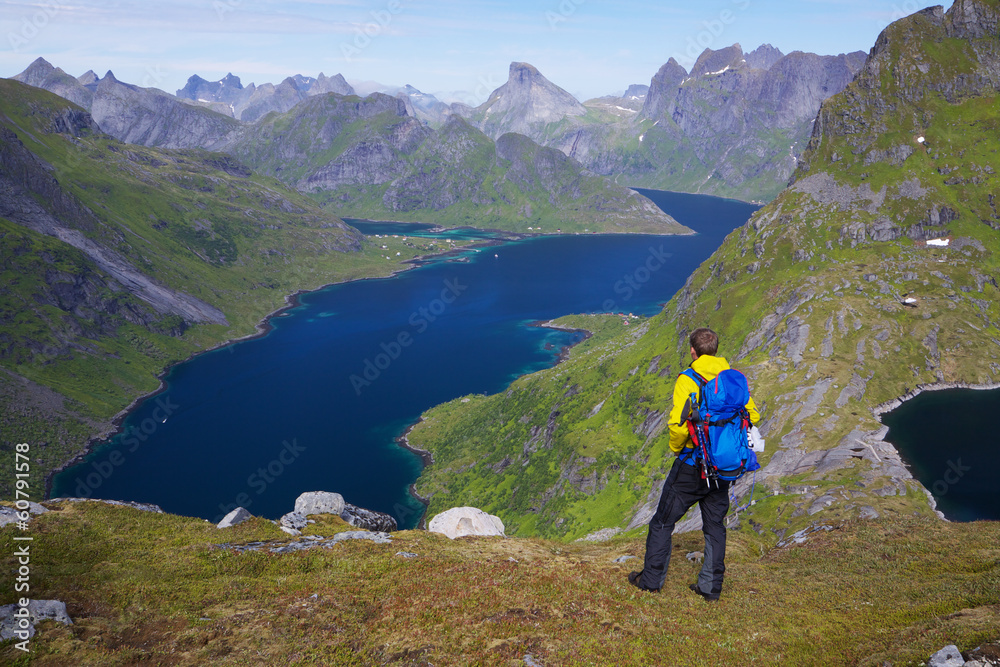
589 47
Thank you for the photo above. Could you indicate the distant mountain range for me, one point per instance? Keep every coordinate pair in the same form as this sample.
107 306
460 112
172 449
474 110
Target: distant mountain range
368 157
735 125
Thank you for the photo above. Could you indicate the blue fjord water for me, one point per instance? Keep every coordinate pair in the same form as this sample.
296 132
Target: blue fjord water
948 439
258 422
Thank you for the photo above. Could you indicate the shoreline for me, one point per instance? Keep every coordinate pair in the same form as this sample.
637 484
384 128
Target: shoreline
262 328
427 458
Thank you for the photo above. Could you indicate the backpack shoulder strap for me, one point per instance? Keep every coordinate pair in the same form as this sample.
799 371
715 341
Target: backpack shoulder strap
693 374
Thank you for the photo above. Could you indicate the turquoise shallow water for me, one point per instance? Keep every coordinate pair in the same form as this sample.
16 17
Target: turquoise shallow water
318 402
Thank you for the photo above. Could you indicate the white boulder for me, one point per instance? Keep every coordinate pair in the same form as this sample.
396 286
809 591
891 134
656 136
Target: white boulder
238 515
319 502
462 521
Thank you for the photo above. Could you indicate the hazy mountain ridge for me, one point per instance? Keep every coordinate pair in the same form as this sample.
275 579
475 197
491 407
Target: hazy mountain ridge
828 299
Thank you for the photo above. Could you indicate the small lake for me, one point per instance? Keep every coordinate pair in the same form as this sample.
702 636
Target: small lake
318 402
949 440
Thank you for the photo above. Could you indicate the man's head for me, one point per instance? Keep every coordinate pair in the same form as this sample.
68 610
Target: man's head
704 341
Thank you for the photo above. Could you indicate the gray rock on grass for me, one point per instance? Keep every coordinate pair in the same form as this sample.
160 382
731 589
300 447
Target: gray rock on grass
237 516
38 610
319 502
463 521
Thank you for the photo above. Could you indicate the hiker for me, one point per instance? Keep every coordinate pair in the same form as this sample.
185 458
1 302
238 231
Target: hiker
685 484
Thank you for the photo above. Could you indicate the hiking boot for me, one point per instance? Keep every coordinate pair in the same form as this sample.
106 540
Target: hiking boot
633 578
708 597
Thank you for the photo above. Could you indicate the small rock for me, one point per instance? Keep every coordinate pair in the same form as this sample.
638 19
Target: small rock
696 556
530 661
406 554
360 517
463 521
293 520
319 502
868 513
38 610
622 559
237 516
949 656
291 531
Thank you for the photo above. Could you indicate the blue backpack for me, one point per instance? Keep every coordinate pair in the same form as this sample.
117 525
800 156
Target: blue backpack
718 421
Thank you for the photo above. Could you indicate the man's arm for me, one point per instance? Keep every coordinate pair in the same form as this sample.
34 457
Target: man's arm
679 436
752 409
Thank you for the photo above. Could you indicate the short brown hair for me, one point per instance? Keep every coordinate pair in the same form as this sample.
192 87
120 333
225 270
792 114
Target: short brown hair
704 341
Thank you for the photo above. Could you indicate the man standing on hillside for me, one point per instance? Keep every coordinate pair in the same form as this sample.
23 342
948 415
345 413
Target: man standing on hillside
684 485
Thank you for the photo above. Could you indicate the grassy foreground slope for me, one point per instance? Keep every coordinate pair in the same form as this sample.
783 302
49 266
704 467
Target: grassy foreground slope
830 299
146 588
77 344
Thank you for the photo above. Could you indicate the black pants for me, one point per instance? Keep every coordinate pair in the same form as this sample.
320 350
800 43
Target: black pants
685 487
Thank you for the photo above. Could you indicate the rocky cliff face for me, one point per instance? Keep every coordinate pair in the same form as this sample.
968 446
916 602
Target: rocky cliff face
830 299
150 117
525 104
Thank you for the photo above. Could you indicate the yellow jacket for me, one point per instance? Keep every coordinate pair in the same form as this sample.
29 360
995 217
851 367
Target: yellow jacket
708 367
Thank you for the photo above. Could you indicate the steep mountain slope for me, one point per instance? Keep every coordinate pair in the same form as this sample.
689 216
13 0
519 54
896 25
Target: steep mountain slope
829 299
370 158
733 126
118 260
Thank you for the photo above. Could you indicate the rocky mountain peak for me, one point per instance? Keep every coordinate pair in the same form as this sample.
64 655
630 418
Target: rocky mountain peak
716 62
637 91
36 72
88 78
528 99
331 84
763 57
663 89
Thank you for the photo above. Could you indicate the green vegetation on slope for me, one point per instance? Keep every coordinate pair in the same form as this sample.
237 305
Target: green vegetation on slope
810 299
158 588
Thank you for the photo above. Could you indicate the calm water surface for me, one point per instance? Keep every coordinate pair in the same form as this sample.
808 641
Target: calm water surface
949 440
317 403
